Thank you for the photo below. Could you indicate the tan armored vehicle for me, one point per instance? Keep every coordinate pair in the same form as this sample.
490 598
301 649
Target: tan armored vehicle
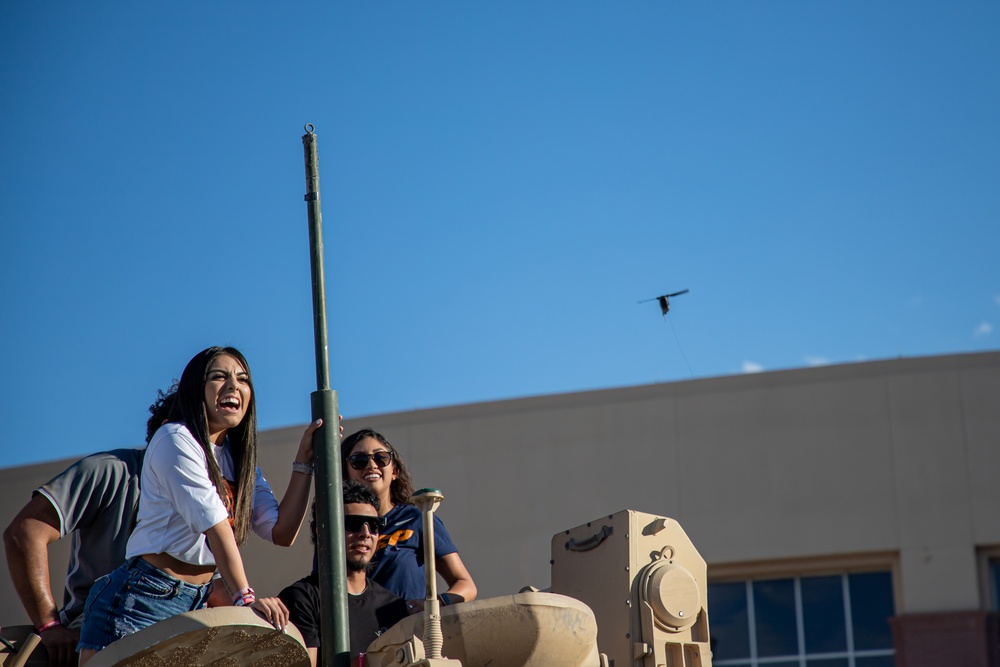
628 590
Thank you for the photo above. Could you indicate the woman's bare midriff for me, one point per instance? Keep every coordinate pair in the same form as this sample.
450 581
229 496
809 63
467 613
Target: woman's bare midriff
199 575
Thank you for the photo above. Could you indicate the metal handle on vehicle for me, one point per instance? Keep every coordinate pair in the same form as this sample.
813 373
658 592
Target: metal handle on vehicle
591 542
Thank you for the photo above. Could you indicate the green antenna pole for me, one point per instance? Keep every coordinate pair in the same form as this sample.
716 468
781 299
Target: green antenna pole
334 633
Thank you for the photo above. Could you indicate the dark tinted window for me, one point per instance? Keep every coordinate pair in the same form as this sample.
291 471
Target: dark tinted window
774 610
823 616
727 619
871 608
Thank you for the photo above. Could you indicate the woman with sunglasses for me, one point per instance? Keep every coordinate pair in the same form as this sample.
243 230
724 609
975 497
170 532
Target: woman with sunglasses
399 557
201 494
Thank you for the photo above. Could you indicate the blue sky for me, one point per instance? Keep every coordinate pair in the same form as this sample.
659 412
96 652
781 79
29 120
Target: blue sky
501 182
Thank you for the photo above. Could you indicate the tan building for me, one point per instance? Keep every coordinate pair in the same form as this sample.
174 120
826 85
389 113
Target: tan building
850 515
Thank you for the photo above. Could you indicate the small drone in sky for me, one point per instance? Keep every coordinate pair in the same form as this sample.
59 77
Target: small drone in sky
664 300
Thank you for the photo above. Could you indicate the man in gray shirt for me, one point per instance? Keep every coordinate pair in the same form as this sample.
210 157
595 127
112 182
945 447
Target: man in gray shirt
95 502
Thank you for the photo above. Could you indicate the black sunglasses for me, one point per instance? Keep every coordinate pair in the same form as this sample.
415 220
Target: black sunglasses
354 522
359 461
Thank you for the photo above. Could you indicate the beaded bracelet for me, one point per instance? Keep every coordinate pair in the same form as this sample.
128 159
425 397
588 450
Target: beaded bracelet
304 468
48 626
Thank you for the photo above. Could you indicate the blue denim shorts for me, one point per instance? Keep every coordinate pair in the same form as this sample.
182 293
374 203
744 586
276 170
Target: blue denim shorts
131 598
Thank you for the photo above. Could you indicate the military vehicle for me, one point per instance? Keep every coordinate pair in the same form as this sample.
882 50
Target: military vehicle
628 590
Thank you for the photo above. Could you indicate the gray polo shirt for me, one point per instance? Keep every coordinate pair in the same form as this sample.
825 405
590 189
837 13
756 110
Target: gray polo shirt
96 499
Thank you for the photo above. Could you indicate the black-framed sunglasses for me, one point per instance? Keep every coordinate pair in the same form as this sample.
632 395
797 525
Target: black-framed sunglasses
359 461
354 522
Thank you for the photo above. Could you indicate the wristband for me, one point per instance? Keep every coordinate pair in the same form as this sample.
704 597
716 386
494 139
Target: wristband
244 598
445 599
304 468
48 626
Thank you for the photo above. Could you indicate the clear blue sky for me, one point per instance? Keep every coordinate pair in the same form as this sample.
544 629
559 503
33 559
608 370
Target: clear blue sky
502 182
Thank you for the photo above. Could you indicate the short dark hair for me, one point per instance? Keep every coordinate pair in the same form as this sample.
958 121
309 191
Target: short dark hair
354 492
401 488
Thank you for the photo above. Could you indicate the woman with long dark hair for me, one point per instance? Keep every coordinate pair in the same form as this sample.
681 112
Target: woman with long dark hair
399 557
201 496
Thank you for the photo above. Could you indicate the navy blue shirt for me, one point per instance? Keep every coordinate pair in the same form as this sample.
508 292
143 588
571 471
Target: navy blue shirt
399 556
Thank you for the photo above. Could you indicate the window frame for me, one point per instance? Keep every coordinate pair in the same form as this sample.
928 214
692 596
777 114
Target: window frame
797 569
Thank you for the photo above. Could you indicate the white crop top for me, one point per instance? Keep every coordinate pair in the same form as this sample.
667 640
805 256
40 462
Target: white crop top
178 502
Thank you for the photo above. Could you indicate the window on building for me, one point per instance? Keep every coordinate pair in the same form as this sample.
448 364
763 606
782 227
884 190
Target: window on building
994 566
989 576
839 620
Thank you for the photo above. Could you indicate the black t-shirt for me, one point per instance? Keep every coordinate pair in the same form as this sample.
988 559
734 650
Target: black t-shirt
370 614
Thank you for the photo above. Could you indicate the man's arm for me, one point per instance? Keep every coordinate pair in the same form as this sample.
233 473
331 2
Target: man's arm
26 541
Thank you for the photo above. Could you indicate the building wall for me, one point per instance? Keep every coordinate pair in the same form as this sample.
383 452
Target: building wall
893 460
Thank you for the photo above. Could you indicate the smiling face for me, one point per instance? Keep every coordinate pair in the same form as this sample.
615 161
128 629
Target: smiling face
360 544
227 395
379 479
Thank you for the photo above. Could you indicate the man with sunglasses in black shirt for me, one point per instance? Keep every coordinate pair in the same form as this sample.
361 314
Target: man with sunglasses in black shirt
371 609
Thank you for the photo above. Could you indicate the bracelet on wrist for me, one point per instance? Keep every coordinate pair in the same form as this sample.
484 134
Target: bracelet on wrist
304 468
244 598
48 626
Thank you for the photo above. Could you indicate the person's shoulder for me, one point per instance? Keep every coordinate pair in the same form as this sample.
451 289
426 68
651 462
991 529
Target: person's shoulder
172 429
305 590
172 435
130 458
105 462
94 485
305 584
402 513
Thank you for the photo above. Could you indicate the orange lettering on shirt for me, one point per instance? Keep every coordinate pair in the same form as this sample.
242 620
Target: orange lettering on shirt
393 538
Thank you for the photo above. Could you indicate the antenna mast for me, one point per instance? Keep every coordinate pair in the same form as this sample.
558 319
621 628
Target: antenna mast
331 552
